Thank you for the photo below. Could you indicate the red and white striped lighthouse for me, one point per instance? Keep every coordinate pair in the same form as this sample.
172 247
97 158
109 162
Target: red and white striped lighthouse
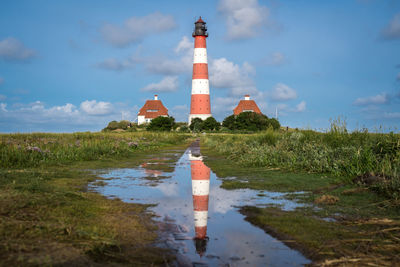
200 190
200 106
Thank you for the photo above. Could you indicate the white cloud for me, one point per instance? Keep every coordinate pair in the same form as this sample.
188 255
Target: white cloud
168 84
1 80
243 18
166 66
3 97
157 64
391 115
115 64
282 92
37 116
238 79
275 59
285 109
93 107
392 31
382 98
65 109
184 45
3 107
223 106
180 112
12 49
301 106
135 29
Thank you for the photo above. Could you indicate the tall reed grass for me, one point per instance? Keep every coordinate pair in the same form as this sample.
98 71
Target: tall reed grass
336 151
31 150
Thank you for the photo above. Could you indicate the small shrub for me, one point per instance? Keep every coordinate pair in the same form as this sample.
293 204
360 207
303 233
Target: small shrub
196 125
211 124
250 121
163 124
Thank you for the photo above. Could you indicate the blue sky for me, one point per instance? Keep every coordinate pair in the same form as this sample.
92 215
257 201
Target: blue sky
74 66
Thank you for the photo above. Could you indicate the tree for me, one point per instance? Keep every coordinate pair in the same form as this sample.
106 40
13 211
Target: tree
211 124
250 121
183 129
274 123
161 124
196 125
229 122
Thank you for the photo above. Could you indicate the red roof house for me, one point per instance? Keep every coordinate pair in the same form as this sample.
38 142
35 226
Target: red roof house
152 109
246 105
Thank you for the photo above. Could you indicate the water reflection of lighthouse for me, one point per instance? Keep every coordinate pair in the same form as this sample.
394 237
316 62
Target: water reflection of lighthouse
200 189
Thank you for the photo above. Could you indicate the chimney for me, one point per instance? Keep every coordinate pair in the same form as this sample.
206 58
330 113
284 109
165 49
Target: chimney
155 97
246 97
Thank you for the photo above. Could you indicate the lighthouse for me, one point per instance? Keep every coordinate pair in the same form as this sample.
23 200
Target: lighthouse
200 174
200 106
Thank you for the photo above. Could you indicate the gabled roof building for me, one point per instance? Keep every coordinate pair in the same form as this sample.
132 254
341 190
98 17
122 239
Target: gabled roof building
246 105
151 109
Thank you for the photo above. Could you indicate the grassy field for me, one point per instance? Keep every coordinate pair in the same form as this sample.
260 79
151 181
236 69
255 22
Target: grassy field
47 217
372 157
349 183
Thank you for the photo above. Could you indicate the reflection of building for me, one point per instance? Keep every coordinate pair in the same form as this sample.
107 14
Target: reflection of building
200 189
149 172
246 105
152 109
200 103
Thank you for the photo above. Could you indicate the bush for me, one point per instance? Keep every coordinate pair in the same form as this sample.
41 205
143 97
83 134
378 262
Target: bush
274 123
250 121
211 124
124 124
112 125
164 124
183 129
196 125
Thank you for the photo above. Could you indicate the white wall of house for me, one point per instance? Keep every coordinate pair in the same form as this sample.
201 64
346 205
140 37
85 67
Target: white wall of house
141 120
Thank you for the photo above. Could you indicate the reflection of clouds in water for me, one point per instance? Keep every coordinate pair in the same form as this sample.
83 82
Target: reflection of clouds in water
222 201
232 240
237 248
176 208
169 189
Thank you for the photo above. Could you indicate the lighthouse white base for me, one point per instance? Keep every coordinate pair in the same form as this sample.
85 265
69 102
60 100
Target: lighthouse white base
201 116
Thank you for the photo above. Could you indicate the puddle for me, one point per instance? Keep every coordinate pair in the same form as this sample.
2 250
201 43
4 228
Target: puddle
201 220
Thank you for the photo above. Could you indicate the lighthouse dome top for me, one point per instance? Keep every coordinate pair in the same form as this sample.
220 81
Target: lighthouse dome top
200 20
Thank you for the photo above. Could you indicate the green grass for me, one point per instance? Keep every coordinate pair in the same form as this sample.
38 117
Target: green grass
38 149
47 217
355 243
335 153
261 178
366 230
